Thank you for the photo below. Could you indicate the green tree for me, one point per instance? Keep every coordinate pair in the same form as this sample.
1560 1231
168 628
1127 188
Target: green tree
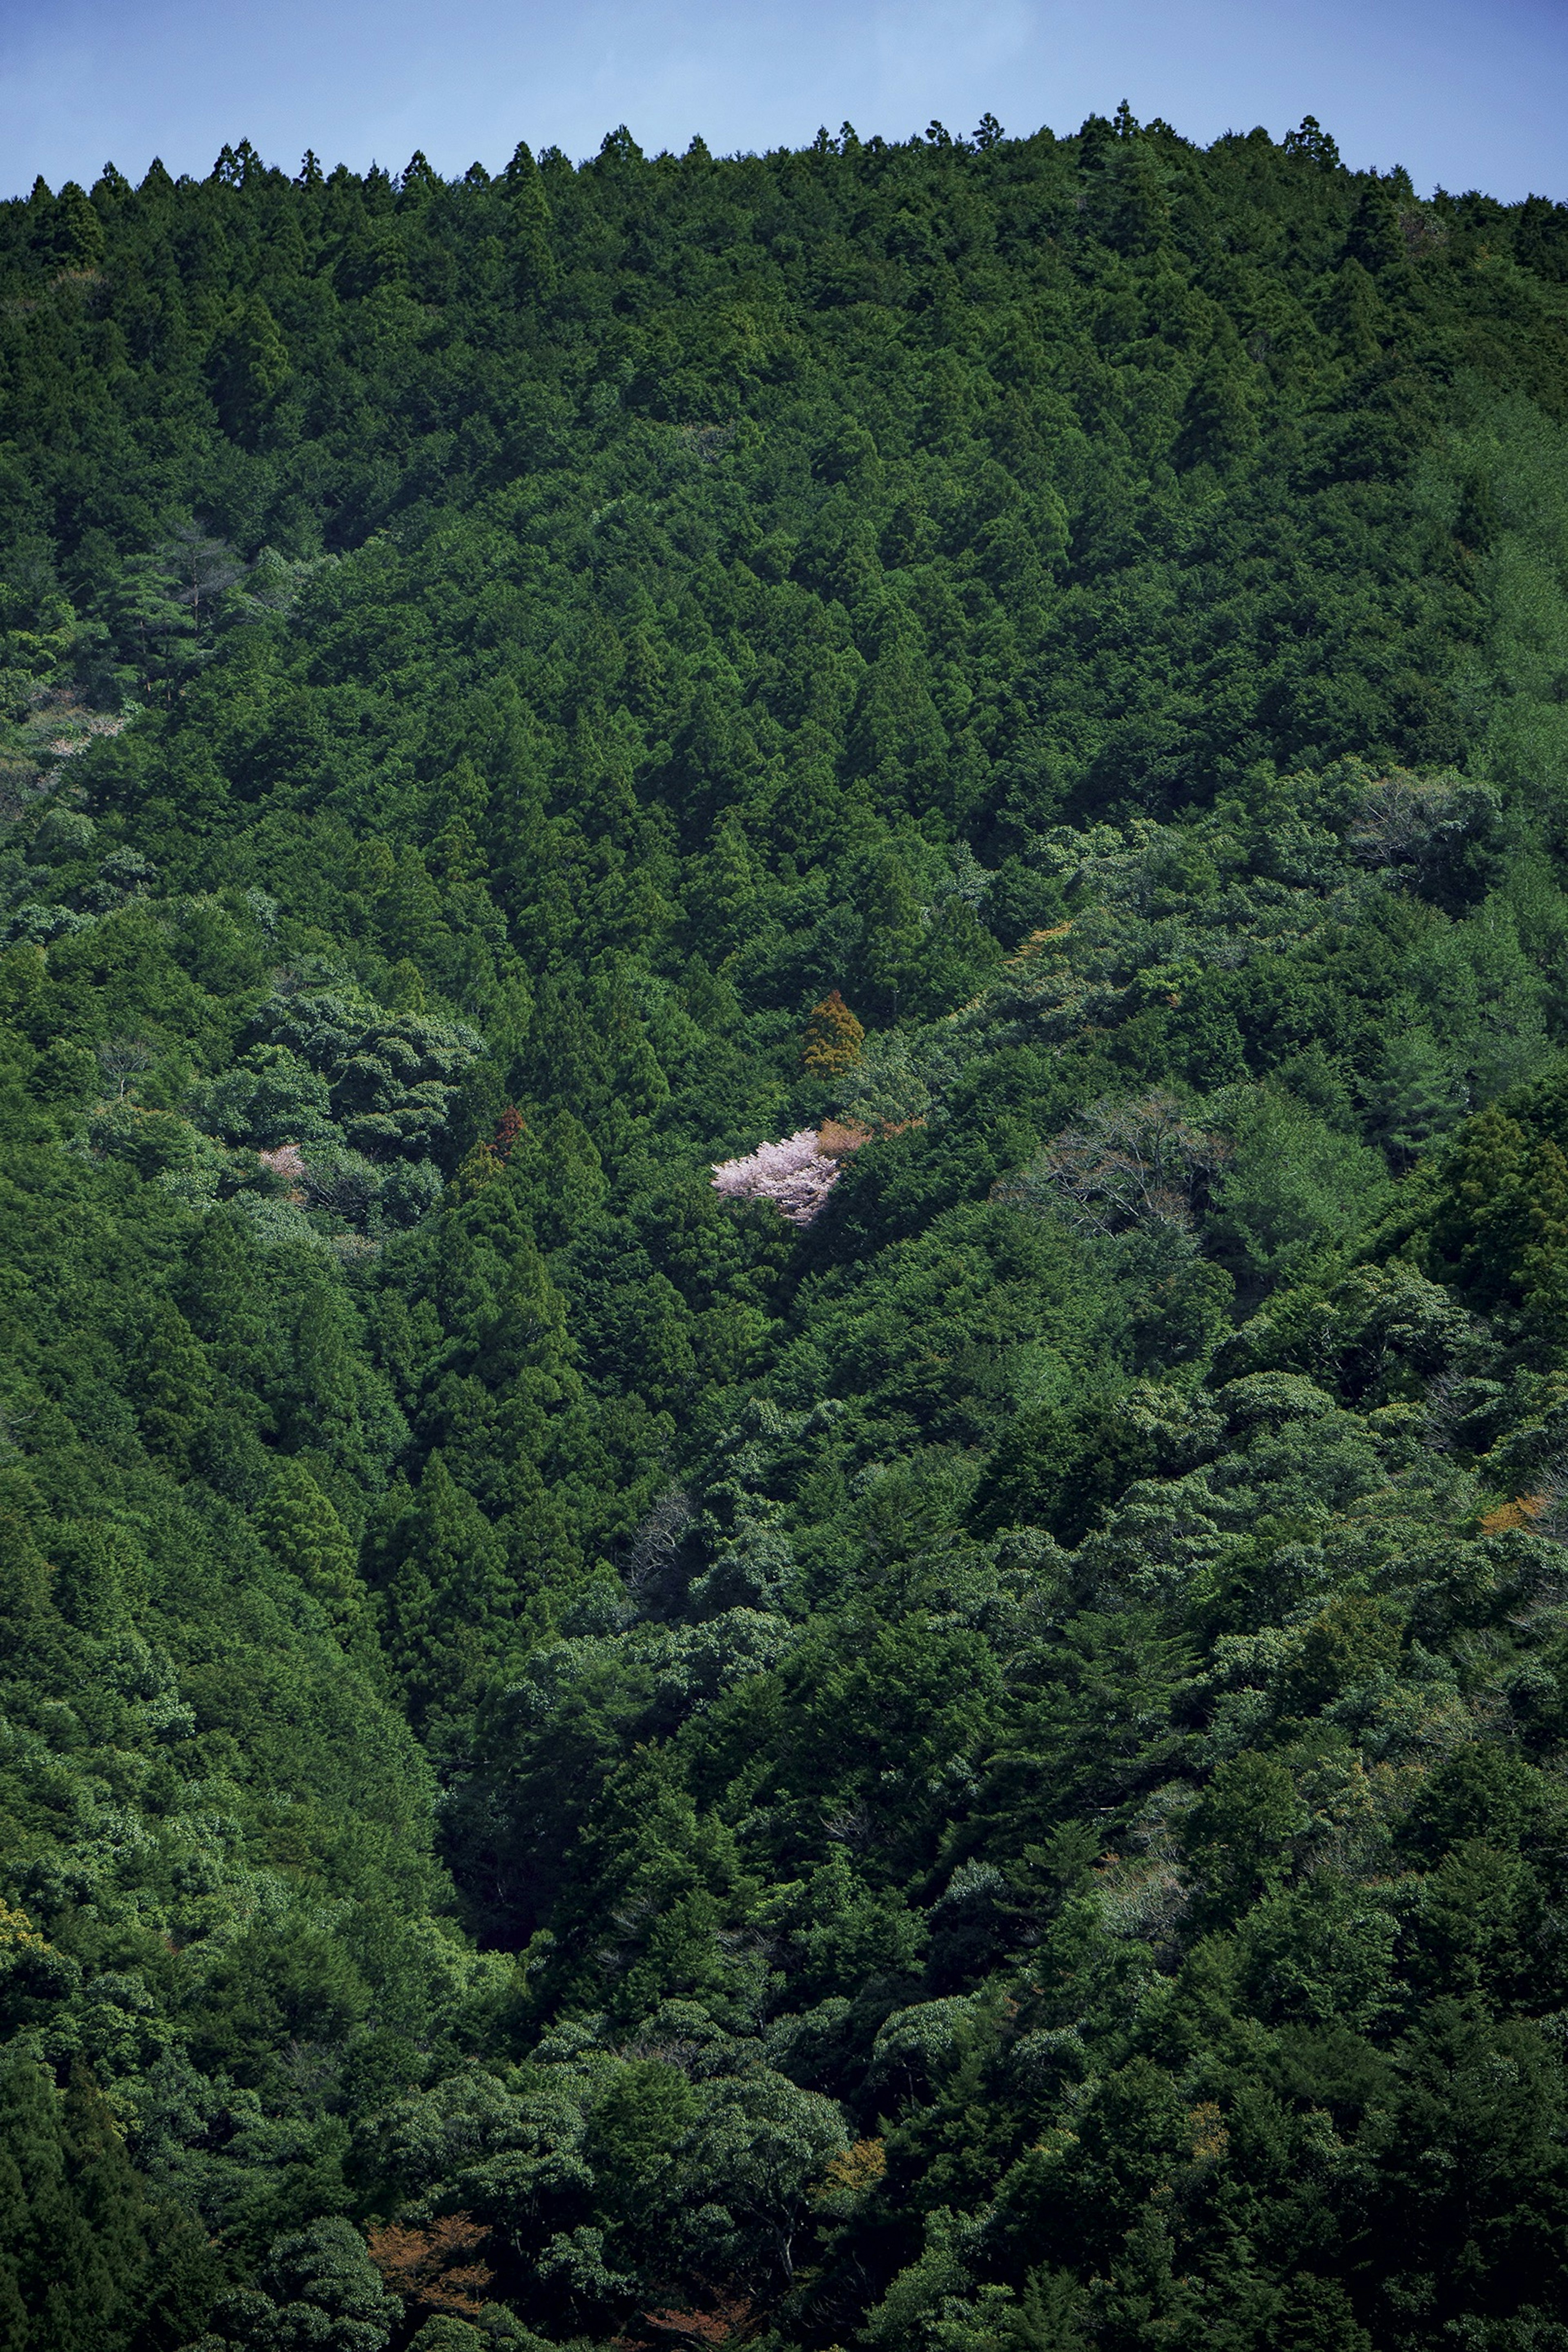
306 1537
448 1601
78 231
1295 1188
174 1386
318 2287
86 2255
1219 423
251 371
1240 1834
532 251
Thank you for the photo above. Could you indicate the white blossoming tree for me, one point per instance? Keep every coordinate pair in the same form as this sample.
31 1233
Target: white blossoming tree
796 1174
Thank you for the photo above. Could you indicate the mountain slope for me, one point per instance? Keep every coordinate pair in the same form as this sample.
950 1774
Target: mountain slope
975 1764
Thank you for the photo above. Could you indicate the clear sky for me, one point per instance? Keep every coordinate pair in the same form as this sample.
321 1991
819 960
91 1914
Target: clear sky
1464 93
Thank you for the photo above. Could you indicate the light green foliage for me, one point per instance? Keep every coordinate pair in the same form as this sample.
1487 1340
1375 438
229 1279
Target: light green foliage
1293 1190
270 1097
305 1536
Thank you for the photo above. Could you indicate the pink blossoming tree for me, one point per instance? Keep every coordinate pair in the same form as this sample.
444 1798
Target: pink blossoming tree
287 1160
794 1174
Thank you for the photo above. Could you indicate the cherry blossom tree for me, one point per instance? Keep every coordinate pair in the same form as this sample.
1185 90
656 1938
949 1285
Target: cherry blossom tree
796 1174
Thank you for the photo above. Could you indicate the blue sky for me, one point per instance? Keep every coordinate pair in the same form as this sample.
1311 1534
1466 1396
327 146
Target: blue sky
1462 94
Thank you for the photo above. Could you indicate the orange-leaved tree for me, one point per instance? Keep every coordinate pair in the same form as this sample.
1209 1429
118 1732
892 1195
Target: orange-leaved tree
432 2262
833 1038
731 2318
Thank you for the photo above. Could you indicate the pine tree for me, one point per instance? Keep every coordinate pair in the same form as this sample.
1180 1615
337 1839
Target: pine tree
304 1534
449 1601
896 927
149 628
87 2259
25 1573
1220 426
253 371
1375 238
533 256
79 232
174 1385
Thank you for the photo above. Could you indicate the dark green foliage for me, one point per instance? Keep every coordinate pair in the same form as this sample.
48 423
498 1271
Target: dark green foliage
86 2255
584 1762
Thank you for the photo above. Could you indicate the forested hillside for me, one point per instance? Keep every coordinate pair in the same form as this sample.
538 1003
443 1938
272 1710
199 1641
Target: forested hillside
954 1738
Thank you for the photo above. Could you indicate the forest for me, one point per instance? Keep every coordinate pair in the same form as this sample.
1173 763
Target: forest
783 1229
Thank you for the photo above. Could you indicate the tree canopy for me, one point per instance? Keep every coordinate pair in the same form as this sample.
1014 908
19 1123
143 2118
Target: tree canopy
784 1220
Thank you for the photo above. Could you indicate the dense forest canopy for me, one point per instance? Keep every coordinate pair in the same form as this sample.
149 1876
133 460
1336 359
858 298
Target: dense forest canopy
953 1739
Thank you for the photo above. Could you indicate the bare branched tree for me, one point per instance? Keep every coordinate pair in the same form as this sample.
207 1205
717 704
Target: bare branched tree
204 566
122 1060
1135 1164
1406 820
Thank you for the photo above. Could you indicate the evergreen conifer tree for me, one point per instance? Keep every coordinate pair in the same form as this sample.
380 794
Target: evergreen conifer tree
834 1038
533 257
304 1534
